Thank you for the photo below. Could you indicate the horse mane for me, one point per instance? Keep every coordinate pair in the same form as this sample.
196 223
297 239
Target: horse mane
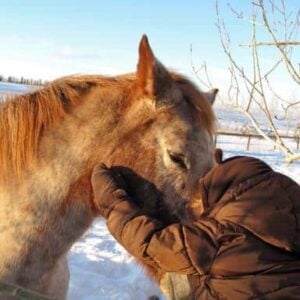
24 118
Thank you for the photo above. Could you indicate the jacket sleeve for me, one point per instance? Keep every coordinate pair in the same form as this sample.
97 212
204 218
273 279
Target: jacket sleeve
184 249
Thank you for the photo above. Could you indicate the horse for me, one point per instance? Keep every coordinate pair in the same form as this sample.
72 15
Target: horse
153 121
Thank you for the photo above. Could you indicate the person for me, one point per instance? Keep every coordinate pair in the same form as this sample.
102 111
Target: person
244 245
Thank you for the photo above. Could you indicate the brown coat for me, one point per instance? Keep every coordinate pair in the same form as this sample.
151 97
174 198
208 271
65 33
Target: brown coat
246 245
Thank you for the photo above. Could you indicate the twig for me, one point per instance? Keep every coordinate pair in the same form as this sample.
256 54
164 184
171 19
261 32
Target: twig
255 83
258 44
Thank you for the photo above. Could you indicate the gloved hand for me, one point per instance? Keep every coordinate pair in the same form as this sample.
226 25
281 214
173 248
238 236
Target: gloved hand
218 156
109 188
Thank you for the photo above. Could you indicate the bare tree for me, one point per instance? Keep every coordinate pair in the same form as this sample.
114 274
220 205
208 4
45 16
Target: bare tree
274 29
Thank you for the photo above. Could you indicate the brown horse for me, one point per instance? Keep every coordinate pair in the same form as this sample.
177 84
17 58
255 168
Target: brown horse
154 122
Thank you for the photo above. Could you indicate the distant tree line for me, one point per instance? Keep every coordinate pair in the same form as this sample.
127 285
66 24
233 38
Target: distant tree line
22 80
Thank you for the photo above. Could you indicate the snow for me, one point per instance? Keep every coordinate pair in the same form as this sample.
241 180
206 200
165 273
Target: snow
101 269
13 88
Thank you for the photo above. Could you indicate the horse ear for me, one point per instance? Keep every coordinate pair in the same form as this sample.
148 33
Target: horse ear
211 95
153 78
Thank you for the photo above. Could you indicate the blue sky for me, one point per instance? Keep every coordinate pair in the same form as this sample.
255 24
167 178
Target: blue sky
53 38
50 38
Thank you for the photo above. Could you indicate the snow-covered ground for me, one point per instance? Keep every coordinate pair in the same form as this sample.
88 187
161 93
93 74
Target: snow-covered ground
13 88
101 269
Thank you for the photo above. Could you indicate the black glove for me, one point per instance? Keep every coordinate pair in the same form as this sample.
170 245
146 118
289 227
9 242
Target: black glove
109 188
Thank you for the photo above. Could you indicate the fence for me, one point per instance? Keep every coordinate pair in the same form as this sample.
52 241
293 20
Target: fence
15 292
251 135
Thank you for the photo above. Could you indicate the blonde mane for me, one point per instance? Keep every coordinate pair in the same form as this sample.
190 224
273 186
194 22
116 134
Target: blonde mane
24 118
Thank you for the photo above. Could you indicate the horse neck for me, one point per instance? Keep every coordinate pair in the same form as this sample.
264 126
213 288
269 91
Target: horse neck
69 151
83 138
54 198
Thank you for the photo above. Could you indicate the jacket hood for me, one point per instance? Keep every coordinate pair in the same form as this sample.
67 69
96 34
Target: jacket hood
247 192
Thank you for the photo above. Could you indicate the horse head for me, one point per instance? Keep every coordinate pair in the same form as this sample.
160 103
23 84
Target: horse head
167 137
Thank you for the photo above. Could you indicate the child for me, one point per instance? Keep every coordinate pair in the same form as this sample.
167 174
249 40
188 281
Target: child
245 245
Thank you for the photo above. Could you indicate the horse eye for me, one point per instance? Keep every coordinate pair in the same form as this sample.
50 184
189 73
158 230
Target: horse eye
179 159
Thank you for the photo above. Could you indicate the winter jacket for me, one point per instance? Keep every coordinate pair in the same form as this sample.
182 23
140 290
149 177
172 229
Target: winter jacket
245 245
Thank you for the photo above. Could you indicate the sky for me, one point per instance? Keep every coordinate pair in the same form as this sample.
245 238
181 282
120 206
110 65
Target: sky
50 38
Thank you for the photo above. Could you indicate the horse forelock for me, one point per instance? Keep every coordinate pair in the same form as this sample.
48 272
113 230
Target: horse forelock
201 107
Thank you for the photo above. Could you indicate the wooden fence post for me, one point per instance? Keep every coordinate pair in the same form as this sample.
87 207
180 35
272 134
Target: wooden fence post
12 291
248 143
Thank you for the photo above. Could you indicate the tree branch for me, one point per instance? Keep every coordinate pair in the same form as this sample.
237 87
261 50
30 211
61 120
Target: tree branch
259 44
